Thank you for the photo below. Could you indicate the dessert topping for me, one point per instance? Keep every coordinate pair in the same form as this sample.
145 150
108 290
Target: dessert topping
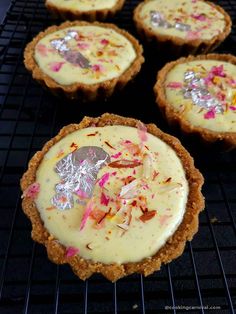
78 172
158 20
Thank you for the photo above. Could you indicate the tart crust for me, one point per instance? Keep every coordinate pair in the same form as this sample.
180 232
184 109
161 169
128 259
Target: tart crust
78 90
92 15
181 46
227 140
173 247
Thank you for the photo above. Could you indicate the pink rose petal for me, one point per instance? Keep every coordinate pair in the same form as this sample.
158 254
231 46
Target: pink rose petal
232 108
116 155
71 251
83 46
199 17
98 68
87 212
232 82
104 42
56 66
32 191
208 79
104 179
142 132
104 199
42 50
210 114
175 85
218 70
192 35
220 96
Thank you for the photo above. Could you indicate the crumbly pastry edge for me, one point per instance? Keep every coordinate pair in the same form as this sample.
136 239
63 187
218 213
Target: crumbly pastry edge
84 92
181 46
92 15
175 244
227 140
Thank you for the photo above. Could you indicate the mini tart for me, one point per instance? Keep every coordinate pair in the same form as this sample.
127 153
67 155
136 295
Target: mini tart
84 10
84 60
143 208
182 27
198 94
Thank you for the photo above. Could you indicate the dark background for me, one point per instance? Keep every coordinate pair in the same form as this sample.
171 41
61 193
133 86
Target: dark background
203 276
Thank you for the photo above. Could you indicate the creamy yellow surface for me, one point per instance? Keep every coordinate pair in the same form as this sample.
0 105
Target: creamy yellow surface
83 5
225 122
209 24
109 243
108 52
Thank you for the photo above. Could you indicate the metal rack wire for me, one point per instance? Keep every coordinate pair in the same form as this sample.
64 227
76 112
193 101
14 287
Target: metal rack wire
202 277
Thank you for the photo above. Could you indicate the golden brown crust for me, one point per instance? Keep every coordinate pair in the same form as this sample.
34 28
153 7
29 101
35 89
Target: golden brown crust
226 139
82 91
176 243
181 46
92 15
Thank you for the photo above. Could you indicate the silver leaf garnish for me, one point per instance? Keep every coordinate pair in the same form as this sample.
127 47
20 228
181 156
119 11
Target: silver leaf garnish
182 27
158 20
59 45
78 173
74 57
196 89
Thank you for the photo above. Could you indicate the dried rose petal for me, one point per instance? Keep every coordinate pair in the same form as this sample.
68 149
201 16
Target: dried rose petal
124 163
130 190
104 199
56 66
104 41
175 85
133 149
87 212
147 215
83 46
98 68
42 50
104 179
97 215
71 251
191 35
218 70
199 17
32 190
210 114
142 132
116 155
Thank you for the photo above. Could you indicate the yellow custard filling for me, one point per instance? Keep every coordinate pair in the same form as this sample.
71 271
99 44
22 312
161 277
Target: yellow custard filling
84 54
208 102
133 208
201 20
83 5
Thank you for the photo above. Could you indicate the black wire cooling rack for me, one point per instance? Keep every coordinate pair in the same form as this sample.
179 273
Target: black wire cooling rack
202 279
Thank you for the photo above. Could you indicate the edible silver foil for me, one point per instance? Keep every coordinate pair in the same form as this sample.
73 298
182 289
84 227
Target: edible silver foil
196 89
78 172
182 27
158 20
74 57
